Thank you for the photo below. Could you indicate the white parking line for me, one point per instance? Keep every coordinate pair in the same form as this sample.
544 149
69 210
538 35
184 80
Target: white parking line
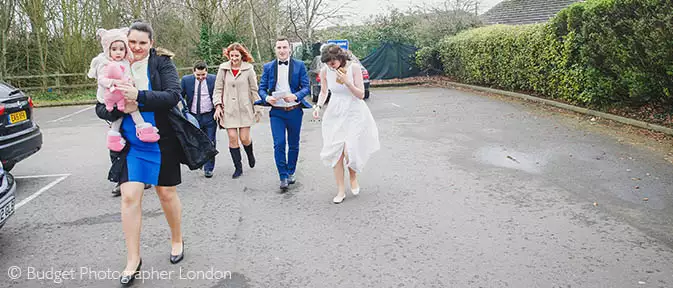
45 188
40 176
396 105
72 114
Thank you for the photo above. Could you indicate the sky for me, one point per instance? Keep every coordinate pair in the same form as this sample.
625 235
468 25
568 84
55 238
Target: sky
375 7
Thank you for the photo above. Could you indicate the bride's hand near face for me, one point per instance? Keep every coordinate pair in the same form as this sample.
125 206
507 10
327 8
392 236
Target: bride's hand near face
342 77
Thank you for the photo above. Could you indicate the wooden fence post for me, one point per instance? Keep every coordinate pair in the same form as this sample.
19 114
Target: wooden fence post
58 84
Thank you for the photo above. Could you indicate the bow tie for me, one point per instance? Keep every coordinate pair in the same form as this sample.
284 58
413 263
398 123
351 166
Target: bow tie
284 62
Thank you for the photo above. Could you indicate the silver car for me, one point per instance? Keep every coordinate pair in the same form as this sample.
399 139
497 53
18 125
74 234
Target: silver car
7 195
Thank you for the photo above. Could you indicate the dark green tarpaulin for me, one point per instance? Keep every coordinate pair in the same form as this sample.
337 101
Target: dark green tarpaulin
392 60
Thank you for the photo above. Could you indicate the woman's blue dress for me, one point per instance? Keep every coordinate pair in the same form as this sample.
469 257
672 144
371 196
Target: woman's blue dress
144 159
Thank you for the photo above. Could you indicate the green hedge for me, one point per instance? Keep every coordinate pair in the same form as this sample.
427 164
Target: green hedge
427 58
596 53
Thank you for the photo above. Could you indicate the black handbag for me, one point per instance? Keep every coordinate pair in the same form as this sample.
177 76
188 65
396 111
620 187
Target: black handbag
196 146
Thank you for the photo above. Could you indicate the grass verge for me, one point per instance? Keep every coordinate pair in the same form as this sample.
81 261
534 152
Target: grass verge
49 99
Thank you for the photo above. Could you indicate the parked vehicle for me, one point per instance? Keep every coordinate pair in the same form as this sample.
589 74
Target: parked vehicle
314 76
20 136
7 195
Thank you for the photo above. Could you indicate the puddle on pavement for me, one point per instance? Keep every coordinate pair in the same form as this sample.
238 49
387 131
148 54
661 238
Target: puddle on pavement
506 158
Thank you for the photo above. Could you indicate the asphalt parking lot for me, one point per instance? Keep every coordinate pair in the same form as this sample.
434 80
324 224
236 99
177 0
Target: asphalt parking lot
467 191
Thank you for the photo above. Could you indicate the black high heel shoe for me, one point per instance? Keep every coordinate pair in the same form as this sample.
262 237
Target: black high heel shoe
175 259
128 279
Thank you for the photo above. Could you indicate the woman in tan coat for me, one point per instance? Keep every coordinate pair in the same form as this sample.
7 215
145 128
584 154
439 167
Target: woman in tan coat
234 95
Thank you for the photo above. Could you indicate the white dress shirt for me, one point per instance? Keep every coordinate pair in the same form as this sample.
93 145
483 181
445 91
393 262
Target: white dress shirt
283 82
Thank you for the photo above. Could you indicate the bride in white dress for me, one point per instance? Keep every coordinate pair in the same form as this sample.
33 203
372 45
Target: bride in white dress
349 131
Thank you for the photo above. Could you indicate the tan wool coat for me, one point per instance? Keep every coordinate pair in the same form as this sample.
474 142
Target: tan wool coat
237 94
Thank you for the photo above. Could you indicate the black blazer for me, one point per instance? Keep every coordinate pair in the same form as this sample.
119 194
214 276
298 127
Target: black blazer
173 126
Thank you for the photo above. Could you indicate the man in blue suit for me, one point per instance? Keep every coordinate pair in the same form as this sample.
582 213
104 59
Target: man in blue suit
199 97
288 76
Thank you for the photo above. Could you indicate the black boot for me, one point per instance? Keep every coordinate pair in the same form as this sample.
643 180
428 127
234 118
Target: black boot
236 157
251 156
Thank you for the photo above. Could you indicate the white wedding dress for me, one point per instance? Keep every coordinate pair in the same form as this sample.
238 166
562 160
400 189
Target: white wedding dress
347 124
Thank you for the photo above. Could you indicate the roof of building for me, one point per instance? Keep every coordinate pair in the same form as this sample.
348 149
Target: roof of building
517 12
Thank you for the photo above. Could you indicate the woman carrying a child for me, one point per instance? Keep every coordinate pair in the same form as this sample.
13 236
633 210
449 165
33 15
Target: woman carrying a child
155 94
112 68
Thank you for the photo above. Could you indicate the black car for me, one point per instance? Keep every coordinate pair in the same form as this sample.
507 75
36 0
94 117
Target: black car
7 198
20 136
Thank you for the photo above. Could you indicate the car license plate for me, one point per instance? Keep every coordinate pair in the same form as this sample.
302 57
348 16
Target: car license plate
17 117
6 211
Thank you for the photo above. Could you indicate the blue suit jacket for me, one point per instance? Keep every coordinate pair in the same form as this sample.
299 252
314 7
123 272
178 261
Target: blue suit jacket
299 82
187 85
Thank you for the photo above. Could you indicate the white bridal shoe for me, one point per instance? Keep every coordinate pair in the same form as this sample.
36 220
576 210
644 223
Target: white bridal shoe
338 200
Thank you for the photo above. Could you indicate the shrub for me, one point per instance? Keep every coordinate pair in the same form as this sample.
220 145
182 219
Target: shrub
600 52
427 59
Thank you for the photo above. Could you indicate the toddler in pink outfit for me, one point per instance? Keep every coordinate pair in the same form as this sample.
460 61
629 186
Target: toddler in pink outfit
110 68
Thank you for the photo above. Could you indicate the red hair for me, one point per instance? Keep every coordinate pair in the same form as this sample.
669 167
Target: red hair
245 54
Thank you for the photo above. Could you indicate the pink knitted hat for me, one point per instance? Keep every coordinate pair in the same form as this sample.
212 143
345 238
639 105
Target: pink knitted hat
107 37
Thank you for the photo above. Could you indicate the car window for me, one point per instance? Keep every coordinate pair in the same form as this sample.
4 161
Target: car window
5 89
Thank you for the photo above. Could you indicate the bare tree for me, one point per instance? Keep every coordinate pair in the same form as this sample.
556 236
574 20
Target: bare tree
273 18
136 8
44 36
307 15
236 12
106 10
471 6
254 31
6 16
205 10
36 12
76 24
448 18
268 24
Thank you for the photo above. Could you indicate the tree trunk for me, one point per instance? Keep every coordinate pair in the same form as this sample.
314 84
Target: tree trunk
36 12
107 14
275 23
6 22
254 32
42 54
3 54
309 36
136 8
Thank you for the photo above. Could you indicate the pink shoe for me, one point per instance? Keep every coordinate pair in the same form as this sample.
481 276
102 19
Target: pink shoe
115 142
148 133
